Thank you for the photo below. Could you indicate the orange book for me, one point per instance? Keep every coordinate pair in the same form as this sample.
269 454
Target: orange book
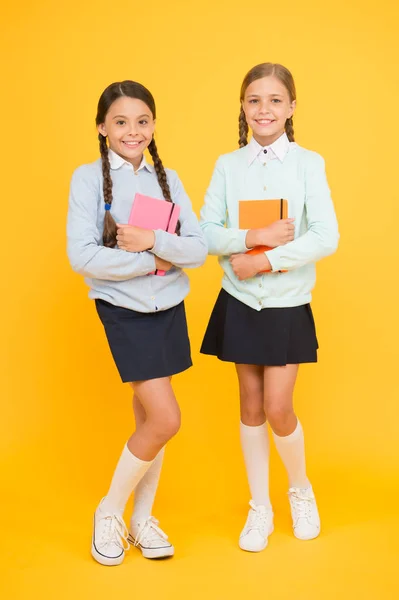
255 214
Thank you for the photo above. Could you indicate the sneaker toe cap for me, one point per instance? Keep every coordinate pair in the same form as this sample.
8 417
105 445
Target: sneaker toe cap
253 541
110 550
304 530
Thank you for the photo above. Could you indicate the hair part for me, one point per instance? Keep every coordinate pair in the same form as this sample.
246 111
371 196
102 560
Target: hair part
258 72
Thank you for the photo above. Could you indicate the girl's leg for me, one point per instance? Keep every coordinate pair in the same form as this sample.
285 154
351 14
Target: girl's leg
253 432
162 420
161 423
144 530
144 493
255 446
279 383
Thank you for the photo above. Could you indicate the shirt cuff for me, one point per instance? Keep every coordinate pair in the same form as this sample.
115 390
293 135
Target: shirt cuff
274 260
159 241
149 262
243 233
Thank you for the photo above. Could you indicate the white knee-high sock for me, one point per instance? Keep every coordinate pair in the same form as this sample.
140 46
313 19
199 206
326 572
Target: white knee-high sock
255 447
144 494
127 475
291 449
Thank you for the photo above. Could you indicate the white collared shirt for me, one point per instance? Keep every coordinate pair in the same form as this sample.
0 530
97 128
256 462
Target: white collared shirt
118 276
118 162
277 149
295 174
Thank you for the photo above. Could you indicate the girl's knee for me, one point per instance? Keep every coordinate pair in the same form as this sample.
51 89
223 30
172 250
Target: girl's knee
280 417
251 405
166 426
252 415
251 390
172 424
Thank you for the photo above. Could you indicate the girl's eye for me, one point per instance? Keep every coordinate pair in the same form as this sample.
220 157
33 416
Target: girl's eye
276 100
143 122
120 122
253 101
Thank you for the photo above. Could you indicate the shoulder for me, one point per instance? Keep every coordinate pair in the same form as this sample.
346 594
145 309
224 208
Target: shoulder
88 174
173 179
310 159
233 159
171 174
176 186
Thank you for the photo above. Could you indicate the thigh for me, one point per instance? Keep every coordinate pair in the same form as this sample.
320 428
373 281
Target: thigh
154 399
250 380
278 388
138 408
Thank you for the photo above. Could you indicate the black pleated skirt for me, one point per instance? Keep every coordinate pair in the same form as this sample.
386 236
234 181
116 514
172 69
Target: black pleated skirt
269 337
146 345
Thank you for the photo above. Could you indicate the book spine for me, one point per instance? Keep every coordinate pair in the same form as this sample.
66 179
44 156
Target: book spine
170 216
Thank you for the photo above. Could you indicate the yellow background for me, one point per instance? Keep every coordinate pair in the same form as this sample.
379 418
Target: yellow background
64 414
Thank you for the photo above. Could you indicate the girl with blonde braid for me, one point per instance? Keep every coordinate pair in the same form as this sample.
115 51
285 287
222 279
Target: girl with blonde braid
262 320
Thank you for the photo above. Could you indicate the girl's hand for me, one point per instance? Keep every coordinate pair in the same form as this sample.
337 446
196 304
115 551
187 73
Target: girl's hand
246 266
162 265
134 239
277 234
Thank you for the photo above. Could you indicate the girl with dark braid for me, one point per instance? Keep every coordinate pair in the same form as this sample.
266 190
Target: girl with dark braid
262 320
142 313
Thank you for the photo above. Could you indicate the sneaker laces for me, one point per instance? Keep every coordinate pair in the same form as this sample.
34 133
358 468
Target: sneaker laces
149 531
114 531
303 504
258 517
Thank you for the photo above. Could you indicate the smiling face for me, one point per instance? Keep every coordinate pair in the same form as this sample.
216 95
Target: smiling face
267 105
129 125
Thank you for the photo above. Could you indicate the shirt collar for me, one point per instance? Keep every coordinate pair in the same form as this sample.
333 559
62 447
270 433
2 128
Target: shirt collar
117 162
278 149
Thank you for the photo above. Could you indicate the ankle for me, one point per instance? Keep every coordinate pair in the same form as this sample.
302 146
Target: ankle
109 507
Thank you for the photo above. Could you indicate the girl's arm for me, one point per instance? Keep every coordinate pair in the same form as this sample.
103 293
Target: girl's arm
85 251
221 241
322 236
188 250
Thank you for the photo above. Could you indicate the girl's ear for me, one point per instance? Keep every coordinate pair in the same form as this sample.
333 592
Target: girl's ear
101 129
293 107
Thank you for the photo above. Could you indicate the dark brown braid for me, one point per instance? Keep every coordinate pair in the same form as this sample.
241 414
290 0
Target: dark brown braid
289 129
242 129
160 171
161 175
109 232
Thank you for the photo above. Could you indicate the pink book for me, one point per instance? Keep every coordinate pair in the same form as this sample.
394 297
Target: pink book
152 213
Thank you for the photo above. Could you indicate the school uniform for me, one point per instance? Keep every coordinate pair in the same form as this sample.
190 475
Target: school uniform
143 314
267 320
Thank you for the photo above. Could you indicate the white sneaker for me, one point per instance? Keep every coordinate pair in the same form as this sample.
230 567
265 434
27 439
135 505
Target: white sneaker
258 527
305 516
152 541
109 542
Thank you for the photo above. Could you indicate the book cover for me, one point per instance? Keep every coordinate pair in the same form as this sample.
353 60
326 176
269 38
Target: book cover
153 213
256 214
